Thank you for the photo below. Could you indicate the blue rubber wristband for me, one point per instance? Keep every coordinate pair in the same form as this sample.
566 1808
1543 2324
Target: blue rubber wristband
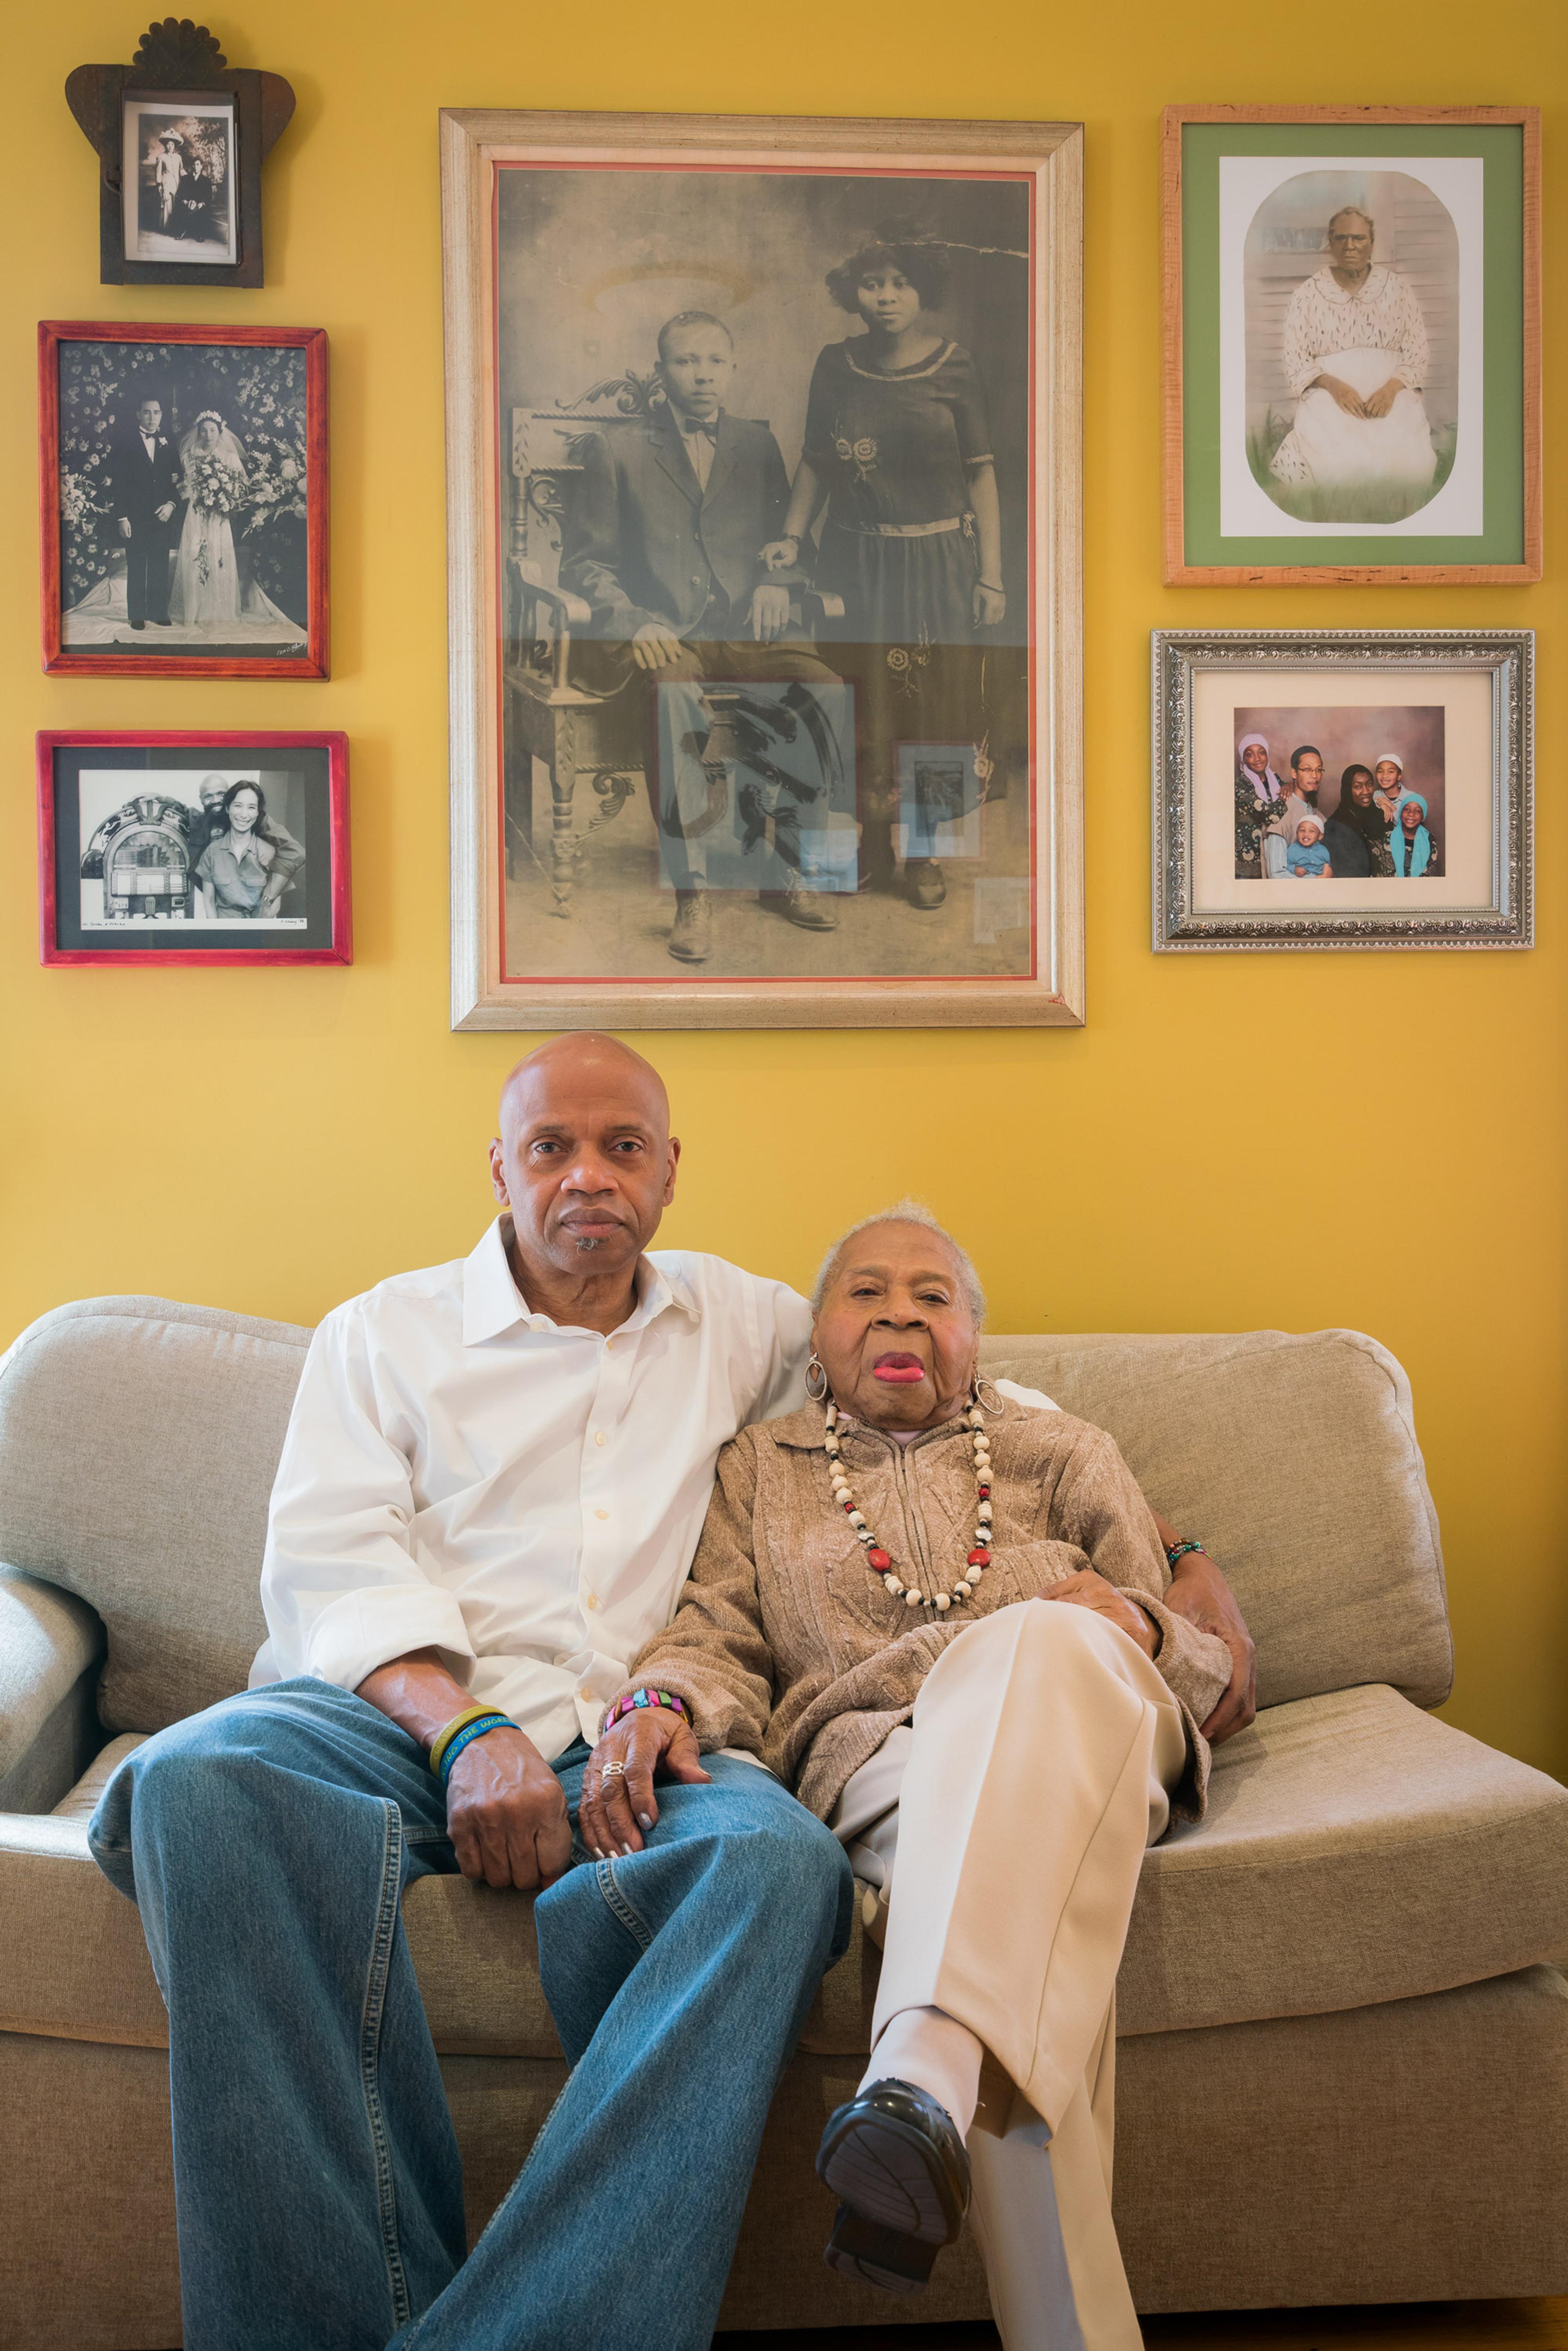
469 1732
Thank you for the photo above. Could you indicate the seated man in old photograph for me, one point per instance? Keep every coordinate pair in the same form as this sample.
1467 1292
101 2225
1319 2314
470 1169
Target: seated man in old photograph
663 541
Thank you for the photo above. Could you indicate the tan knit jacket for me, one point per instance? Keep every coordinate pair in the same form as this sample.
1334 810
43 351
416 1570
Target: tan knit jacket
785 1643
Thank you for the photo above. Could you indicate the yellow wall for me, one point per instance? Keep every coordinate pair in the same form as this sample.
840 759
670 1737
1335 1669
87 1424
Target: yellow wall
1232 1141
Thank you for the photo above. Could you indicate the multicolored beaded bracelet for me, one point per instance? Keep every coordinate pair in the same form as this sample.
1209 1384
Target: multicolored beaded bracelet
642 1697
1180 1551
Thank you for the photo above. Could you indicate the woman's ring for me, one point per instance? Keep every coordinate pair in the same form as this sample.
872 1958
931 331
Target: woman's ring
611 1772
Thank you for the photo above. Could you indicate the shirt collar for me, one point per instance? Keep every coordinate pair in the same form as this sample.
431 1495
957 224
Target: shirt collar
492 1302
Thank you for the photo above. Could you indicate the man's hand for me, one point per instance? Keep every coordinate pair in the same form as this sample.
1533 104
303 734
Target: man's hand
769 613
654 645
124 526
1379 402
1338 390
1198 1591
617 1803
1088 1589
505 1813
165 510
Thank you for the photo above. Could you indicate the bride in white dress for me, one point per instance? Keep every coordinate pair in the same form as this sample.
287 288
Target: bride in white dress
206 591
1356 355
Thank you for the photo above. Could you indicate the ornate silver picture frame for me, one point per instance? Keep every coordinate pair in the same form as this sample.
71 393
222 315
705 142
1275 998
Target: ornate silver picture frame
1340 788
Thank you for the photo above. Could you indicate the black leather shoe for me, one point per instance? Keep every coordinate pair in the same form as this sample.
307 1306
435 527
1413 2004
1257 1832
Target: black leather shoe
894 2159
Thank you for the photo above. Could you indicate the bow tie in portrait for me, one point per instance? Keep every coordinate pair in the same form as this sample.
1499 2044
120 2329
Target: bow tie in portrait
691 427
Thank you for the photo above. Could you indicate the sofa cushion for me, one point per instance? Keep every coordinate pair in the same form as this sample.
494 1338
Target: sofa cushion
1330 1542
1355 1852
140 1439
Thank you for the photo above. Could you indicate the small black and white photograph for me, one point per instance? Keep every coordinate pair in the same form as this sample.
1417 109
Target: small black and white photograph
182 848
191 496
179 181
176 847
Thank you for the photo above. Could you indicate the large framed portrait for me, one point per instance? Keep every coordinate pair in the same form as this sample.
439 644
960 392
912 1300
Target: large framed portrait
194 849
1351 344
1336 788
184 500
765 581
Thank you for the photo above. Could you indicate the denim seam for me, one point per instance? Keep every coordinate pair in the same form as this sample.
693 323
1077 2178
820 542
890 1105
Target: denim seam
615 1902
370 2059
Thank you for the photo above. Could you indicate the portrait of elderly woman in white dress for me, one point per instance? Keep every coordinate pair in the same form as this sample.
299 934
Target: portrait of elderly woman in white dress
1355 356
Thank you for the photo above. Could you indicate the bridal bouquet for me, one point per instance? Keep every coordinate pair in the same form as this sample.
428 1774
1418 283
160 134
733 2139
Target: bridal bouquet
215 489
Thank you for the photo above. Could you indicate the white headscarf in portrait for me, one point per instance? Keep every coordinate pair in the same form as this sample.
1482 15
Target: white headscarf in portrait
1267 786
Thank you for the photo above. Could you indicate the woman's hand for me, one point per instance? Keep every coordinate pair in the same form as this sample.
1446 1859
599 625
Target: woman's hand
990 605
618 1797
1379 402
780 555
1088 1589
1339 391
1199 1590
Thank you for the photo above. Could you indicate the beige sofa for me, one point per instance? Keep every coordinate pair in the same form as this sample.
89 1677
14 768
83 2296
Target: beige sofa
1342 2049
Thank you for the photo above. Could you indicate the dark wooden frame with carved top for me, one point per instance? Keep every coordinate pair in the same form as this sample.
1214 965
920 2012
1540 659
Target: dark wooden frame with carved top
183 63
60 659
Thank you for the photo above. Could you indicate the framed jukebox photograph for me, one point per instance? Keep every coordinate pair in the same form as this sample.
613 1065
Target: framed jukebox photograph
765 598
200 849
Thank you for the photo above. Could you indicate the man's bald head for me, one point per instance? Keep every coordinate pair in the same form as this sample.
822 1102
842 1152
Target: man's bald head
585 1055
585 1160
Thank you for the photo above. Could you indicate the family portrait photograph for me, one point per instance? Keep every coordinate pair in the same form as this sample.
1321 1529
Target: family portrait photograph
1330 787
186 488
1352 358
768 555
174 846
179 181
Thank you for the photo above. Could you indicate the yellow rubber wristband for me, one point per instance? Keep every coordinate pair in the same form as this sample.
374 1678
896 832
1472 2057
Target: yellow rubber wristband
443 1740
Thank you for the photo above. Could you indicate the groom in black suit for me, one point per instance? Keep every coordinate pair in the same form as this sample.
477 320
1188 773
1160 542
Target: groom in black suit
662 540
144 487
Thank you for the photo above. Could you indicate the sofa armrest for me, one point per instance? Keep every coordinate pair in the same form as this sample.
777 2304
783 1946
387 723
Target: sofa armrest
49 1644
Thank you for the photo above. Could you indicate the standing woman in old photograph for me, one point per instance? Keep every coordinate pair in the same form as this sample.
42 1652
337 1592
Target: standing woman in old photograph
898 444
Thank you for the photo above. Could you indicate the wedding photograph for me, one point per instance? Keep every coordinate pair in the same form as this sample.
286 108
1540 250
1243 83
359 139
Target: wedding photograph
772 556
189 525
175 848
179 181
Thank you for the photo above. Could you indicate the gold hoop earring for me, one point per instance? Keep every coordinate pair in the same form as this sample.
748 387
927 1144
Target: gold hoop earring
815 1368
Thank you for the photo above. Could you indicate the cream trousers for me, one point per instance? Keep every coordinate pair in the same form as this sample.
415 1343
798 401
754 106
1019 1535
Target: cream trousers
1016 1806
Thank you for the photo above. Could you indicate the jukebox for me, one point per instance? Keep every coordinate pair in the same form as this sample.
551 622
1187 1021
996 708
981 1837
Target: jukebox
142 856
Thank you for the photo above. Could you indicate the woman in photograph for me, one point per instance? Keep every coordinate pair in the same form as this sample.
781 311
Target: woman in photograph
206 592
898 445
1356 355
234 872
1356 835
1261 808
1416 854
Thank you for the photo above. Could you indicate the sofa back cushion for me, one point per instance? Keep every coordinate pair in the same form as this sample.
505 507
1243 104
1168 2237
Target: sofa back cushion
138 1440
1294 1458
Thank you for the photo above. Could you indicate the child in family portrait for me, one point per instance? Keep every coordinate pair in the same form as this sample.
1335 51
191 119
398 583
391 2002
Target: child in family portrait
1306 859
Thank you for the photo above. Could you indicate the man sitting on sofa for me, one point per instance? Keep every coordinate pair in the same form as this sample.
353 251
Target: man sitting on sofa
490 1492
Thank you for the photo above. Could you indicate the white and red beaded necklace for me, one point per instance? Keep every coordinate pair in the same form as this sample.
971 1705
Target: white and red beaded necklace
879 1560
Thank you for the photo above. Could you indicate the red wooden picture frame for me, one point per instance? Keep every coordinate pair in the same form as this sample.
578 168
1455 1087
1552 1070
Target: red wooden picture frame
60 660
336 746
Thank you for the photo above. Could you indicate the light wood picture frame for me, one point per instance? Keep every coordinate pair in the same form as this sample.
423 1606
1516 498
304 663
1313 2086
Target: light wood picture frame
1432 477
887 830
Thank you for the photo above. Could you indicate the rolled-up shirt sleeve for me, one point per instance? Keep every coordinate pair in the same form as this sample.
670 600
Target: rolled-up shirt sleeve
340 1587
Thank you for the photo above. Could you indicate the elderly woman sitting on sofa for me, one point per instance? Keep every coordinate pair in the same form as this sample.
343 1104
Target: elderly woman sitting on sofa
863 1615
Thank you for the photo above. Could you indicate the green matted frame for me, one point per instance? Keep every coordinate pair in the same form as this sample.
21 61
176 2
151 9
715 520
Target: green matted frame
1507 141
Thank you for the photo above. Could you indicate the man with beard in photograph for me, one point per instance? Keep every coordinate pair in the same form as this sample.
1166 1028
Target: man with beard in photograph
1306 779
663 541
144 477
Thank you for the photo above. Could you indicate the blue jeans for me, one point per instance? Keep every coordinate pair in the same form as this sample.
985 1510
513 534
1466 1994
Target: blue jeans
318 2182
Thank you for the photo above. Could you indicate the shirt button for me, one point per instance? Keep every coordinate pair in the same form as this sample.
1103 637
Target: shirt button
585 1693
601 1514
592 1600
599 1437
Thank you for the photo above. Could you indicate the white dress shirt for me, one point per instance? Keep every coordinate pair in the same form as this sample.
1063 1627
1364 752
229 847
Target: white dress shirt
524 1496
699 445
